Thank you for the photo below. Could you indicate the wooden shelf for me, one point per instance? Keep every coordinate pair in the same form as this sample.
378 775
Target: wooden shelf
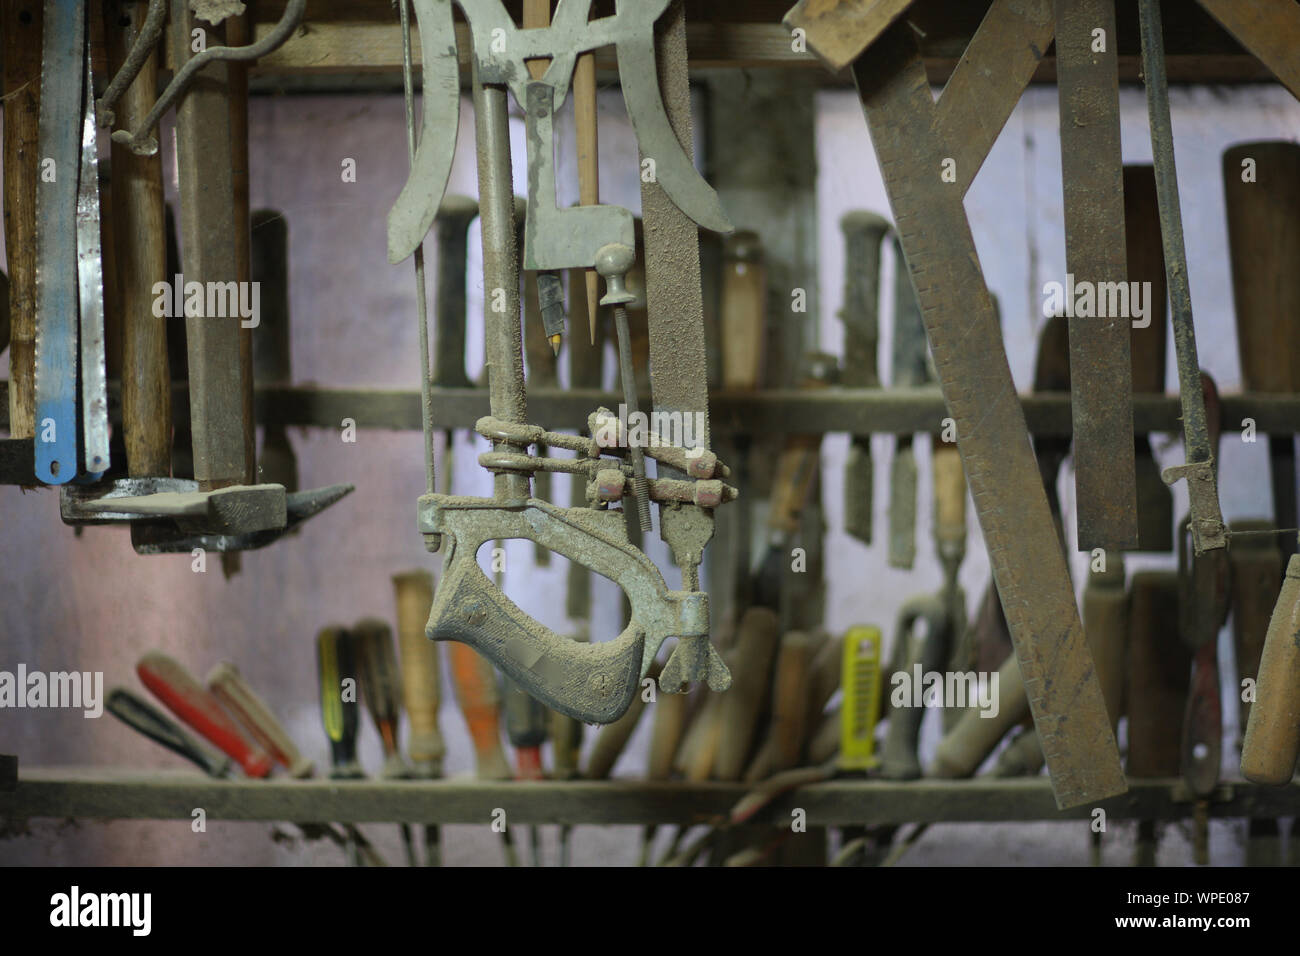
114 793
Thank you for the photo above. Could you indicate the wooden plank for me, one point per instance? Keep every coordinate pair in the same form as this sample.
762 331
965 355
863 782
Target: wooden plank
115 793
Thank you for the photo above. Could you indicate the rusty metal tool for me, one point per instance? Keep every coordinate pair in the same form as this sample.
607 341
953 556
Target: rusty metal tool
1203 581
863 234
910 368
1264 245
590 682
1208 530
1159 670
379 682
1146 264
421 689
189 69
1029 567
1268 755
1101 393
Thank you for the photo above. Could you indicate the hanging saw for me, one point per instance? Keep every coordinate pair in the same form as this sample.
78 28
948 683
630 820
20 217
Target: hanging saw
590 682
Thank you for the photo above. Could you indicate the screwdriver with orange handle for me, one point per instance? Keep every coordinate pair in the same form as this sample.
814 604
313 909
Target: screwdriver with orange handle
190 701
475 684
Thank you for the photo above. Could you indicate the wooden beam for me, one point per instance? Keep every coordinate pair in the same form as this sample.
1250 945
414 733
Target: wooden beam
1270 29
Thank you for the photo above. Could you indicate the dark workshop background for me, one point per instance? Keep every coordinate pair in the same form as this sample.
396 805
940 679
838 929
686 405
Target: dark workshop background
86 602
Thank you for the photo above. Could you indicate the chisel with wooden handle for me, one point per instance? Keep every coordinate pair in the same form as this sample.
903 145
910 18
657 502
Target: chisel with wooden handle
744 311
1268 755
526 728
915 655
1148 345
191 702
790 685
1261 184
148 720
421 688
1105 622
1159 669
910 368
824 680
613 738
863 233
965 747
228 686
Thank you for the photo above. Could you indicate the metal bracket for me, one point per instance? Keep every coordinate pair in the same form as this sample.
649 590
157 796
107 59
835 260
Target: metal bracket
1208 530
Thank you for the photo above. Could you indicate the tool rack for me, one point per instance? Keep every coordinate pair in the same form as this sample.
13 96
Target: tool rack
355 44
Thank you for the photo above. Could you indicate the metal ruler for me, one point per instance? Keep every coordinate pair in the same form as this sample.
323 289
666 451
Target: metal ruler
966 342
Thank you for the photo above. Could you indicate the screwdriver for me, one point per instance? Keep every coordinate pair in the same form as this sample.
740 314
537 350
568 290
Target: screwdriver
420 688
480 702
336 669
377 670
526 728
144 717
187 699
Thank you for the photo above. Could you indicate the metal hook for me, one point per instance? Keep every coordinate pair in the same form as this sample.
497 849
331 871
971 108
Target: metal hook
140 142
140 50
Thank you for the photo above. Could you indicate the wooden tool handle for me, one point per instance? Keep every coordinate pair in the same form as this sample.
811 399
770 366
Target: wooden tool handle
1255 580
823 682
671 717
142 716
421 678
1146 264
1273 734
757 638
744 311
961 751
480 701
899 759
613 738
22 38
949 495
1264 242
1159 671
381 687
186 698
789 697
139 214
1105 624
228 686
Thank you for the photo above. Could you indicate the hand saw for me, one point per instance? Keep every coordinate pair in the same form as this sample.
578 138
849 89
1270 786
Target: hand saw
70 372
591 682
965 338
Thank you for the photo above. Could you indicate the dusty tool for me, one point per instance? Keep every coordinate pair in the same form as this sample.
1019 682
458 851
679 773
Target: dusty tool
144 717
591 682
188 73
1268 29
743 313
824 681
1146 264
22 35
968 744
379 684
1261 182
910 368
860 708
1203 610
1268 754
1160 667
738 711
839 32
228 686
1255 577
70 379
139 221
1101 394
863 234
526 729
188 700
269 268
612 739
950 545
915 655
421 689
1052 374
1066 701
1208 530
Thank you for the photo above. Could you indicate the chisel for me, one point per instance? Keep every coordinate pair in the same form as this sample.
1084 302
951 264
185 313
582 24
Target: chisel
965 747
526 729
910 367
863 233
672 715
790 687
740 708
336 671
1268 755
744 310
1159 668
824 681
379 681
1146 264
421 688
1105 624
914 656
1261 182
187 699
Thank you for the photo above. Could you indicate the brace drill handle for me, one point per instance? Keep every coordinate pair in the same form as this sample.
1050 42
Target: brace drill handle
594 683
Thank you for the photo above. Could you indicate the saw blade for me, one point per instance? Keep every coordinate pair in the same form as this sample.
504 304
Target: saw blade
58 136
90 281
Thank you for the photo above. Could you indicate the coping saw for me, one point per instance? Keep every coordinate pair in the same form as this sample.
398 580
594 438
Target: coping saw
590 682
